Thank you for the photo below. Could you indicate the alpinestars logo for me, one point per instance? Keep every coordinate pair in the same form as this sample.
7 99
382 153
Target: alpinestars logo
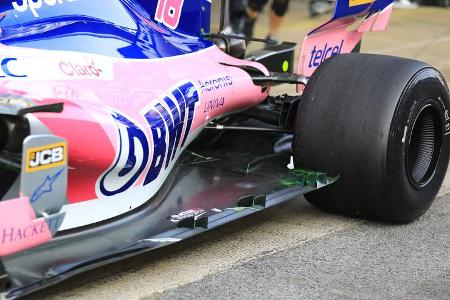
35 5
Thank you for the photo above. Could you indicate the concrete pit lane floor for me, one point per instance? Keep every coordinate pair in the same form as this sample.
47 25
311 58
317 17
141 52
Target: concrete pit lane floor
295 250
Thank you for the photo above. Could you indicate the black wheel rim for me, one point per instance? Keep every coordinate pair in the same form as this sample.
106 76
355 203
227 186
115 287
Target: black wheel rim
424 147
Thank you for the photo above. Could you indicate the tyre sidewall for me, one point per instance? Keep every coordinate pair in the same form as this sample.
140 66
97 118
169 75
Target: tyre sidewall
407 201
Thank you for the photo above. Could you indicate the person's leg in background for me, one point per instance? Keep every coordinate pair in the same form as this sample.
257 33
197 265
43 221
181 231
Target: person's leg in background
238 15
254 8
277 12
244 21
276 16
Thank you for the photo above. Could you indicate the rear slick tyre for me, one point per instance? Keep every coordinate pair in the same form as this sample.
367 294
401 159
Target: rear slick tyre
382 124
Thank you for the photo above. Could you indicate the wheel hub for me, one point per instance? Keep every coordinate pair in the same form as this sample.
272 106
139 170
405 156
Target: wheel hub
424 147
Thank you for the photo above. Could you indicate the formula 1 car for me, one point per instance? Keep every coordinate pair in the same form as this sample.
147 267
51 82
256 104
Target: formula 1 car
126 125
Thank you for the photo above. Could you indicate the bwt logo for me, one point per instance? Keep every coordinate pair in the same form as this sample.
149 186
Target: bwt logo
169 121
35 5
318 56
6 68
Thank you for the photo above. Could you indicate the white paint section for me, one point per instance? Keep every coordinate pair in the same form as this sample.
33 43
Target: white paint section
45 65
27 64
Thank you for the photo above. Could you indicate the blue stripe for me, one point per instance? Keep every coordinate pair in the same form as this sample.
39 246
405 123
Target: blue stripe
122 28
343 8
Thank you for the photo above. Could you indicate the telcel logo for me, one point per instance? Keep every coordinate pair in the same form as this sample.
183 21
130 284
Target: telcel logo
35 5
318 56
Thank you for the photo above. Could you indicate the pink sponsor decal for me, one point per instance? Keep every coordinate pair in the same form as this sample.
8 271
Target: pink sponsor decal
19 228
169 12
83 70
320 46
334 38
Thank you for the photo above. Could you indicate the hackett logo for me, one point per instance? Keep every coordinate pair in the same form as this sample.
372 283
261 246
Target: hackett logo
17 234
319 55
13 234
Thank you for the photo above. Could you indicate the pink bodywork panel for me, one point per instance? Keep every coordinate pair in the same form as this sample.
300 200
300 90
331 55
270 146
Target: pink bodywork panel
129 87
91 88
335 38
323 45
377 22
19 228
383 19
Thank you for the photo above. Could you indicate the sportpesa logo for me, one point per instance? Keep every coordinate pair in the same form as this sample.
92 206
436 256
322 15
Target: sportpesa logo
34 6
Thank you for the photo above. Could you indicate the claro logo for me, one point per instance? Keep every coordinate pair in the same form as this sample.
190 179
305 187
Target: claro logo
80 70
35 5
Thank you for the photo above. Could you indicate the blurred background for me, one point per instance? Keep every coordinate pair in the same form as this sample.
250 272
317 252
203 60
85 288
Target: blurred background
418 30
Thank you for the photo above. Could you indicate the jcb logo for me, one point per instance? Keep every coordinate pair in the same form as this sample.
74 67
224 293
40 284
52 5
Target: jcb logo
46 157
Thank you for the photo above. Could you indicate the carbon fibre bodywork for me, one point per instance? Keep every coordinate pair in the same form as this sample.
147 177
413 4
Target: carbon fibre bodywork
217 185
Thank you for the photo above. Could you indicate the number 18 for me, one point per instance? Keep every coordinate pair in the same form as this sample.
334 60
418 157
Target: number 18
169 12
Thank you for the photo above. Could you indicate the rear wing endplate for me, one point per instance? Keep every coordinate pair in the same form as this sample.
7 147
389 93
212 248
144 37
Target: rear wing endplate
351 19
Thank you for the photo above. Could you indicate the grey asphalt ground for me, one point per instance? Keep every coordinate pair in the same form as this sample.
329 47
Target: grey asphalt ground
294 250
367 261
